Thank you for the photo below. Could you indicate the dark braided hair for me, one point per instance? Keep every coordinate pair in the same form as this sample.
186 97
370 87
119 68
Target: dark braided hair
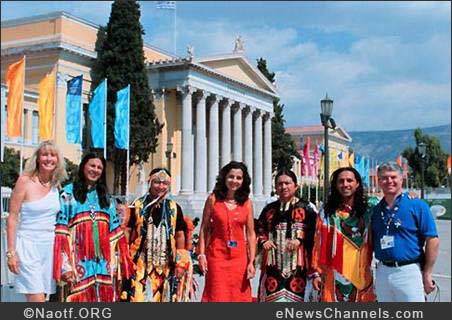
335 199
221 190
81 187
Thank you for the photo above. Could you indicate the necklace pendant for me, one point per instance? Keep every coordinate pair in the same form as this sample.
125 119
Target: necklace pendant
92 212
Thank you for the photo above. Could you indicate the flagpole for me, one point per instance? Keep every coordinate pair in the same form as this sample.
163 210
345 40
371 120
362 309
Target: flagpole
175 25
128 146
23 127
80 119
54 99
105 120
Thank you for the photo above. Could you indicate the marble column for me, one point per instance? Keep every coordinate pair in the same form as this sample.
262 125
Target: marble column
267 154
201 145
257 166
237 141
214 151
248 147
226 133
187 141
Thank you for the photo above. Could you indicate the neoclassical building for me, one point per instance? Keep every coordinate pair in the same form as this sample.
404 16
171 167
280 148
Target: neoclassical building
214 109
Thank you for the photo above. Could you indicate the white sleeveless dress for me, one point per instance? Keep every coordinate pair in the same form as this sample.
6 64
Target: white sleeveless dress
34 244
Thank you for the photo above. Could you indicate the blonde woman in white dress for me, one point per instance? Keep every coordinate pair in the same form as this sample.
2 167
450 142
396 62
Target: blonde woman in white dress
34 205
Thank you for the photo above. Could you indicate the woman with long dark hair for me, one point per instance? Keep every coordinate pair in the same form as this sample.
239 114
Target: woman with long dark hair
285 233
343 249
90 248
225 254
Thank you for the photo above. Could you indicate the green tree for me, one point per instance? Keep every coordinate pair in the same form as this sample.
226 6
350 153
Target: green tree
435 160
9 169
283 146
121 61
71 169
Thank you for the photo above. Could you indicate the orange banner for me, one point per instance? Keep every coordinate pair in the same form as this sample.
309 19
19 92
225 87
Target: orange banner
15 78
45 106
448 164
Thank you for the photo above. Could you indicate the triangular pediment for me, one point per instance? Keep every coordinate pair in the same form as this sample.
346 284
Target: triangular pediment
341 133
238 68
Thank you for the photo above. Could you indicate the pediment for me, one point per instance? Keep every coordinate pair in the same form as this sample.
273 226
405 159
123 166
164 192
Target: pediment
238 68
341 133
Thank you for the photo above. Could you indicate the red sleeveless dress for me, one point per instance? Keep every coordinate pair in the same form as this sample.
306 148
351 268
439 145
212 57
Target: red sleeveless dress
226 276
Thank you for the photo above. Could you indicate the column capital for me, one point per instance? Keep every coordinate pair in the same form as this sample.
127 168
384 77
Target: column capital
215 98
268 115
227 102
187 89
201 94
249 109
257 113
61 79
159 93
238 106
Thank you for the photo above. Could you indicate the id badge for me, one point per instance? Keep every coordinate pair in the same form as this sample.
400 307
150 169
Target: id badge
231 244
387 242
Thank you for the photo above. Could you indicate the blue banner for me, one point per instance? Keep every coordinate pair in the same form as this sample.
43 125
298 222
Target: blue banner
359 164
73 109
97 115
365 176
122 108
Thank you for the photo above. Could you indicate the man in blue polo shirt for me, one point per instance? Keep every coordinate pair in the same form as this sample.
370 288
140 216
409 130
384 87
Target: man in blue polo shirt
405 241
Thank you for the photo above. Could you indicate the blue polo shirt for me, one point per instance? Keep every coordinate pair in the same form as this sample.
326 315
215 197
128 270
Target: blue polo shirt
412 222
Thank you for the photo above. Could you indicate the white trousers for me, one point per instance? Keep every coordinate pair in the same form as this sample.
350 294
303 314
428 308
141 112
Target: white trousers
399 284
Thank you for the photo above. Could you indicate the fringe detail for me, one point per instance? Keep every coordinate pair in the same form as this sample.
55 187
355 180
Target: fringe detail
60 246
89 294
334 245
106 293
104 239
189 233
127 266
84 240
86 295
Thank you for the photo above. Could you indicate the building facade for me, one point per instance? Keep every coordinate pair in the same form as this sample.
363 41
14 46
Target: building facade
338 143
214 109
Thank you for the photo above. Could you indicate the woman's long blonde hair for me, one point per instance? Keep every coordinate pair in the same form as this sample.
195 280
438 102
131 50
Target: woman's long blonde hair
32 165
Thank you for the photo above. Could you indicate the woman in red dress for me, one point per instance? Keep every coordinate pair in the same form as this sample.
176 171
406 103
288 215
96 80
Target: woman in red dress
227 242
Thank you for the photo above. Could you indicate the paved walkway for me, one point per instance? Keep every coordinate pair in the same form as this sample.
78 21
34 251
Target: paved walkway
441 274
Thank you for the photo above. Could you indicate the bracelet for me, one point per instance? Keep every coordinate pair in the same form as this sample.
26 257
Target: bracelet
314 275
10 253
201 255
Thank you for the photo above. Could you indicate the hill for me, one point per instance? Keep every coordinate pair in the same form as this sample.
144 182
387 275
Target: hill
387 145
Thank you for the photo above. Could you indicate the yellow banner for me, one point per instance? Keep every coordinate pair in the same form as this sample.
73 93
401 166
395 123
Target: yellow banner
45 106
351 160
15 78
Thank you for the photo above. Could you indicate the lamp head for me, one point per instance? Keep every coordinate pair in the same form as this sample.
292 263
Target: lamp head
326 106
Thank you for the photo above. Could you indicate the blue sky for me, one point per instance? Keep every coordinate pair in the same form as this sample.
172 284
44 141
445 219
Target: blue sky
387 65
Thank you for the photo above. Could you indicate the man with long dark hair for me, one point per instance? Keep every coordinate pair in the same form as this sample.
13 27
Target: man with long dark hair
157 245
342 246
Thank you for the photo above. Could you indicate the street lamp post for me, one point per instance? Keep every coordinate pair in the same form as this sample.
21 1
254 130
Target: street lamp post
326 106
421 147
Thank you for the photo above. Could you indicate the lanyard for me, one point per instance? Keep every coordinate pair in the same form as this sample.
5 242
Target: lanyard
390 220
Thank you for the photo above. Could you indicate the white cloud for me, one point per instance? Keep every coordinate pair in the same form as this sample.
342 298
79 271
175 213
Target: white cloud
385 77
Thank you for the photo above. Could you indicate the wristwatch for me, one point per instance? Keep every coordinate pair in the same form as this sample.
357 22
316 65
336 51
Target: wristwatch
10 254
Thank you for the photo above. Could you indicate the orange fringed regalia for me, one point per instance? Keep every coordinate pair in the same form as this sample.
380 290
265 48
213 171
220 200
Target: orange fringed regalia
343 252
